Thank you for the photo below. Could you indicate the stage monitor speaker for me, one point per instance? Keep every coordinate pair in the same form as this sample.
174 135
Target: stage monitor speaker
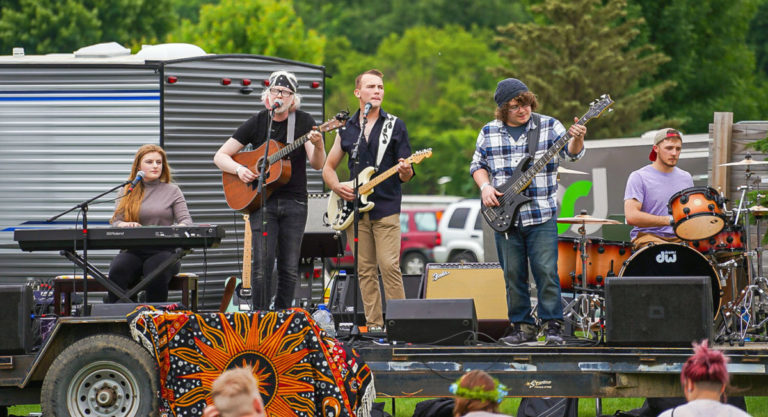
16 311
482 282
320 240
342 300
439 322
658 311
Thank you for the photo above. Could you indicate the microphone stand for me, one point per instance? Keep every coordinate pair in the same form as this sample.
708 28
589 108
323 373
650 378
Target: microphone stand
259 189
84 237
355 332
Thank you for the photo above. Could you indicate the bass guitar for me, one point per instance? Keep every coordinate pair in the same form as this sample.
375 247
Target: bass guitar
341 213
245 196
500 217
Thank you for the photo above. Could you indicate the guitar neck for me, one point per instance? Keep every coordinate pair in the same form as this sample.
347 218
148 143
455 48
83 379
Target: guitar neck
380 178
247 249
282 153
537 166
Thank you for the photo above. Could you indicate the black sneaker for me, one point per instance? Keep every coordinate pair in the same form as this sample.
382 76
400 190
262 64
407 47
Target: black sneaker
553 333
522 333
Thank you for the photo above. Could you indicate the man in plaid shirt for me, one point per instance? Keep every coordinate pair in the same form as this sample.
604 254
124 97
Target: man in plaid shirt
501 144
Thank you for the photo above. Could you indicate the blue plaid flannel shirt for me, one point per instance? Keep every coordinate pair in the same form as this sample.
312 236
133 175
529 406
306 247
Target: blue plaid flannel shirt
497 153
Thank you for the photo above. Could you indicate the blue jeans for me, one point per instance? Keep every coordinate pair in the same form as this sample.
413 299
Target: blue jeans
537 244
285 219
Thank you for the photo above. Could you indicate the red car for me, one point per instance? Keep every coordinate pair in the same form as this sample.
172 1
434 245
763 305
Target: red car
418 228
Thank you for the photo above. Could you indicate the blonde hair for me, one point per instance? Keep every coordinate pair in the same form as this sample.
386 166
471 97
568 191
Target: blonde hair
233 392
129 205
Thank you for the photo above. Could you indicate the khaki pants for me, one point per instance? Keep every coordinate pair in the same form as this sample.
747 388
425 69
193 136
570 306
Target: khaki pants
644 239
379 251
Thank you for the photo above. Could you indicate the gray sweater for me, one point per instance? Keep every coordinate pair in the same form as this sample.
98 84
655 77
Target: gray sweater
163 205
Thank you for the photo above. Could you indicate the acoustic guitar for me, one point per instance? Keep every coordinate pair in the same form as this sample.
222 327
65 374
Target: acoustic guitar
245 196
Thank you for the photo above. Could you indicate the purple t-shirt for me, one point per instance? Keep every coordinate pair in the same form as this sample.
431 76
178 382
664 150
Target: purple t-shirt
653 189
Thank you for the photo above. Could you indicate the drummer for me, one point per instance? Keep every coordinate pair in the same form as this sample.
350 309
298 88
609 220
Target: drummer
650 188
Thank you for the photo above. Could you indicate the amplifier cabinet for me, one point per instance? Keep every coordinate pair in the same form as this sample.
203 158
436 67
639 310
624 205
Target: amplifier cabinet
482 282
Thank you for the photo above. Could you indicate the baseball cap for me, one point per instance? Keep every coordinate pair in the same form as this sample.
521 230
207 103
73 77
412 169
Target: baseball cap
662 134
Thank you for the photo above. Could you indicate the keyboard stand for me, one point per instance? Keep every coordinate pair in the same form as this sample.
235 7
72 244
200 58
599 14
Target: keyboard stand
124 296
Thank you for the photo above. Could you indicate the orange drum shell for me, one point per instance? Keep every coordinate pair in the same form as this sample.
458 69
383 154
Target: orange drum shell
729 242
567 249
605 259
698 201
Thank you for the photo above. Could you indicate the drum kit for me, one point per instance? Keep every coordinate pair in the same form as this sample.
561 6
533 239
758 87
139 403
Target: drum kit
715 244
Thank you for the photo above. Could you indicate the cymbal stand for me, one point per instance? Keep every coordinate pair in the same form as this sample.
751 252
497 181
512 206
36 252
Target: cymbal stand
585 310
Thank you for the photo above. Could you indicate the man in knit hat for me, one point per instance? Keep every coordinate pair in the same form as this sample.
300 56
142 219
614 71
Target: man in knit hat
649 189
502 143
286 207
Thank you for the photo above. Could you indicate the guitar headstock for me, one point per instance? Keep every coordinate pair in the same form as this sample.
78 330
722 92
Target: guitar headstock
420 155
336 122
597 107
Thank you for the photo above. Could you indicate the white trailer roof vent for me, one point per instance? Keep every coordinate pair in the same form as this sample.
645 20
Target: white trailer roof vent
168 51
102 50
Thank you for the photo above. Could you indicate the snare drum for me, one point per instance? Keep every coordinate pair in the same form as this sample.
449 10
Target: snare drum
605 260
725 244
697 213
672 259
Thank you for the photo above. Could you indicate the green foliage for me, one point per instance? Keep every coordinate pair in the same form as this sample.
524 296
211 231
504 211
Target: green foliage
367 24
757 38
711 63
578 50
46 26
430 76
263 27
190 9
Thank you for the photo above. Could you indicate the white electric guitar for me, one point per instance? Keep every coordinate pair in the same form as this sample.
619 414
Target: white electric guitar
341 213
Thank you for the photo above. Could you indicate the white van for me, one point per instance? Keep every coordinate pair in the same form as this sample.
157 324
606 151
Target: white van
461 230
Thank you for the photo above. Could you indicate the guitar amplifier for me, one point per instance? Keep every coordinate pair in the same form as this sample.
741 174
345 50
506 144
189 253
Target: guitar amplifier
482 282
320 240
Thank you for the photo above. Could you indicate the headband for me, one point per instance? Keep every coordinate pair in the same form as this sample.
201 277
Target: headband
496 394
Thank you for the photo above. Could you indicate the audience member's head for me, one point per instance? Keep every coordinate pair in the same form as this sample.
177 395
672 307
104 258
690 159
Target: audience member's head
235 393
704 374
477 391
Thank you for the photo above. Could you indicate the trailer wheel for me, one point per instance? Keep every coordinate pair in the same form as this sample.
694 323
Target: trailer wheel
102 375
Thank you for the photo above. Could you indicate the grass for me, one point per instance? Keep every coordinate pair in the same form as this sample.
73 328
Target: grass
756 406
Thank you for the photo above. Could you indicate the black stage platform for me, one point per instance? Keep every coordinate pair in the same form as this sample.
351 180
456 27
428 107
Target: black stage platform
543 371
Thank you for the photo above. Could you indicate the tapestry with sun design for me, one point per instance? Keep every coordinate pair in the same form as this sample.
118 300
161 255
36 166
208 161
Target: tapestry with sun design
301 371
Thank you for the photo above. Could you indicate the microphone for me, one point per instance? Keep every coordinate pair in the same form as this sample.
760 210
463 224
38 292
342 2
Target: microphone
276 105
366 109
139 176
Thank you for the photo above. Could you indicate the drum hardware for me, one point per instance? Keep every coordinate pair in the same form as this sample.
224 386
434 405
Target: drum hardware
747 161
585 312
697 213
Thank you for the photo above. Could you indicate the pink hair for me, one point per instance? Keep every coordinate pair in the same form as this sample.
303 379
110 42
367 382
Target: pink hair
705 365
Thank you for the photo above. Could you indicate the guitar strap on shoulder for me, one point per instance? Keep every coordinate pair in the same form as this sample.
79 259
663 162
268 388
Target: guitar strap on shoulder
384 137
291 127
533 134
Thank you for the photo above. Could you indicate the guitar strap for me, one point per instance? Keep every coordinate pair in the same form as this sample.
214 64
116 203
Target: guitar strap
384 137
291 127
533 134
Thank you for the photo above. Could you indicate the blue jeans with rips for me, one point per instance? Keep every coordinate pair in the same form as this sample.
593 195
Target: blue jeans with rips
285 219
537 244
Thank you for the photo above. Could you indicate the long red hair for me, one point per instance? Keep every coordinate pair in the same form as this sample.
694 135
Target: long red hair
130 204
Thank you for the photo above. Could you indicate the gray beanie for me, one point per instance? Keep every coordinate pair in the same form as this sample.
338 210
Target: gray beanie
508 89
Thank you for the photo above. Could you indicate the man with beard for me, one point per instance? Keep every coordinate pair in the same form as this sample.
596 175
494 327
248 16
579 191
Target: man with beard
649 189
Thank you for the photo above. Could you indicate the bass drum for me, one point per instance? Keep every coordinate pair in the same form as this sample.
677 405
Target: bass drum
673 260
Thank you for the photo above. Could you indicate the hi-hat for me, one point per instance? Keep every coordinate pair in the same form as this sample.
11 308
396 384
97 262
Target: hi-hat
586 219
561 170
746 161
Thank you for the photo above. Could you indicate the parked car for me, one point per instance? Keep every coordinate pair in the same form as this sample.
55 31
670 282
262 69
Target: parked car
418 228
461 231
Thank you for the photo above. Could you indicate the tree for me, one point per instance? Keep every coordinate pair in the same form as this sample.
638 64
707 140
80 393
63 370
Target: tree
430 75
576 51
45 26
711 62
367 24
264 27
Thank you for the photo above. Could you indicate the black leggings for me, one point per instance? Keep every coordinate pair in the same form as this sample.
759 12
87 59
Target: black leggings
129 266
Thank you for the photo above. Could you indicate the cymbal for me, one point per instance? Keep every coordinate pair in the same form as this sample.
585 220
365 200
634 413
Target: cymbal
586 219
758 210
561 170
745 161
